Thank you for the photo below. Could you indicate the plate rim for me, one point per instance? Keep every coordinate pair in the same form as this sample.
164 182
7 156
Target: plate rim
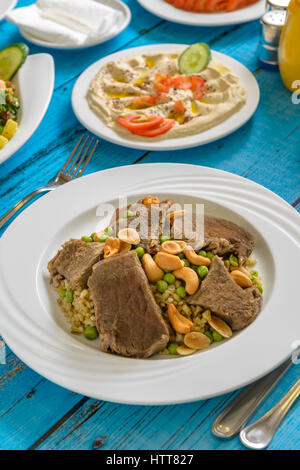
50 45
202 19
11 7
170 401
94 124
5 155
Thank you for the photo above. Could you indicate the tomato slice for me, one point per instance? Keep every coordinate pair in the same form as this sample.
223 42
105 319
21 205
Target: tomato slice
182 82
178 3
142 102
188 5
179 107
162 129
235 4
198 85
199 5
137 122
215 5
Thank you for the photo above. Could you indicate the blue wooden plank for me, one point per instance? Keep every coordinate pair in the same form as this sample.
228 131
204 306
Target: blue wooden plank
260 151
164 427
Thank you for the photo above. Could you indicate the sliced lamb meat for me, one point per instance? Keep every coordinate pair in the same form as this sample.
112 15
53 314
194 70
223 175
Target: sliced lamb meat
222 295
128 319
147 221
223 236
220 236
74 262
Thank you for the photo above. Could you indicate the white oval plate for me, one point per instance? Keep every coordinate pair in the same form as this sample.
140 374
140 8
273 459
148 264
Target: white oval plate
168 12
6 6
34 327
92 122
34 86
123 23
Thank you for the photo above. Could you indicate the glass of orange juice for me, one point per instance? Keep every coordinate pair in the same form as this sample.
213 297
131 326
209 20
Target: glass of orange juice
289 47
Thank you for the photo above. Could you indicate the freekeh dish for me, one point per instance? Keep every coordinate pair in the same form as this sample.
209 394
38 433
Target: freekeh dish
161 286
165 94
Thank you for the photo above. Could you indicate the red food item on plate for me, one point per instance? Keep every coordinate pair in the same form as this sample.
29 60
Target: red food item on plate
162 129
137 122
210 6
179 107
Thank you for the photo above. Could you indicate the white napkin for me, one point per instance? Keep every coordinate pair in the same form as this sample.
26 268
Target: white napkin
67 22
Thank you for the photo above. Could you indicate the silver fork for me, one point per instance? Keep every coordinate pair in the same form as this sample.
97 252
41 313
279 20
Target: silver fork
73 168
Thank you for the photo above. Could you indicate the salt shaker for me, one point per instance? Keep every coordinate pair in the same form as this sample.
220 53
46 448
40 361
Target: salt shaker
271 24
277 4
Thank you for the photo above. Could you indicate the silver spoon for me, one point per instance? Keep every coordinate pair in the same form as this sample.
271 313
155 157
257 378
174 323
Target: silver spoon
259 434
233 417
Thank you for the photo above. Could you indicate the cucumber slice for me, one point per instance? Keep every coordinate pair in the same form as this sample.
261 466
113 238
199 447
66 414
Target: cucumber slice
11 59
194 59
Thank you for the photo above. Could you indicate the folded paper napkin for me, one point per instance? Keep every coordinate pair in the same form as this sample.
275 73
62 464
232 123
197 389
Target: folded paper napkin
66 22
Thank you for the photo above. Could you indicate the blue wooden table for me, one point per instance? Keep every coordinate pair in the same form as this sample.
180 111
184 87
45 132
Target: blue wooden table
37 414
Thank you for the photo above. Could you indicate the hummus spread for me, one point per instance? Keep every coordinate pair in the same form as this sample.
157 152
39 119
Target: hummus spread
113 89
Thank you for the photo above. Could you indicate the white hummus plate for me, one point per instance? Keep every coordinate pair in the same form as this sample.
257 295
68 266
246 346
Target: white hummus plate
168 12
36 74
94 124
34 327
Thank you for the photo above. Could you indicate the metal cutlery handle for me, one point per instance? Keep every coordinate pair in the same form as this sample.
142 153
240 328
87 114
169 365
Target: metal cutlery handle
259 434
5 217
232 418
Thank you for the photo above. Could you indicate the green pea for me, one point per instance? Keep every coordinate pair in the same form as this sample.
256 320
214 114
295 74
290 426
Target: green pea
164 238
62 292
181 292
186 262
259 287
202 253
91 332
169 278
194 267
103 238
162 286
172 348
209 335
128 214
181 255
140 251
210 255
110 231
233 260
69 296
87 239
216 336
202 271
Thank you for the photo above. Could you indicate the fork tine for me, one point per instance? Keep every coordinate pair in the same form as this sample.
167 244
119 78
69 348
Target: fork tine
78 164
77 157
88 159
72 154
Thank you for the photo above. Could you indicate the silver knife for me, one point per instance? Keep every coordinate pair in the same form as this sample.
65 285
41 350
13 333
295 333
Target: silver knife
232 418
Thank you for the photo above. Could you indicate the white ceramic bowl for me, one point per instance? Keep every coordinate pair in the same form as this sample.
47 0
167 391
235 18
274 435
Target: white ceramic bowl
34 326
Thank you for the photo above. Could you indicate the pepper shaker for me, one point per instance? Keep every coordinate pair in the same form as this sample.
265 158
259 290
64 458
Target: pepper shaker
271 24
